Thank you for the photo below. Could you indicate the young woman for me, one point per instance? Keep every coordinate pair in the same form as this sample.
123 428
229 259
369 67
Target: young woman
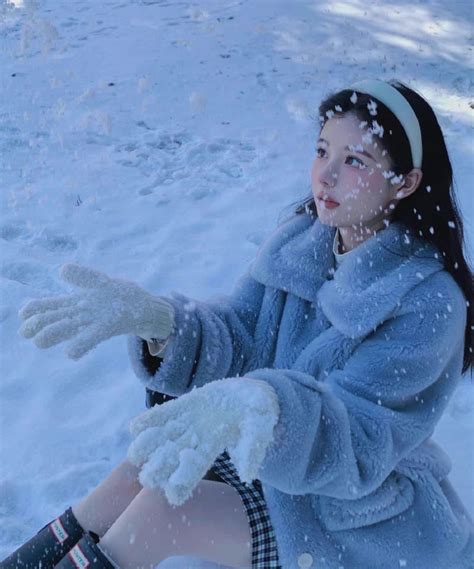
297 434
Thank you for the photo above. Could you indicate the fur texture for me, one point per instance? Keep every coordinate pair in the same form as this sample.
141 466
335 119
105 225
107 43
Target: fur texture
364 360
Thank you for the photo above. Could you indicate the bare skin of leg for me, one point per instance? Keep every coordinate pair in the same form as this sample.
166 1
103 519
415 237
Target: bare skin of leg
212 524
99 511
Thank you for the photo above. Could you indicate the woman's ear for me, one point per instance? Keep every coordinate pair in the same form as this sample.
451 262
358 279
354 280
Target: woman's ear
410 183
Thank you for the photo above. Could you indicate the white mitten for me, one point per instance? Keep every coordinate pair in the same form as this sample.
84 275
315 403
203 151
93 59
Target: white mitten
103 308
178 441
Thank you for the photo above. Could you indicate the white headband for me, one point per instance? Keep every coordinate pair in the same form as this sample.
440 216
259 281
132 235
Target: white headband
400 107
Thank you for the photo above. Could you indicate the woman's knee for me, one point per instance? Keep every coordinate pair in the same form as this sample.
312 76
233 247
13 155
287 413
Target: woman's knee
211 524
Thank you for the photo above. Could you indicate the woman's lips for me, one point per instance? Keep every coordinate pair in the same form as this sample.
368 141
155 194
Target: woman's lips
328 203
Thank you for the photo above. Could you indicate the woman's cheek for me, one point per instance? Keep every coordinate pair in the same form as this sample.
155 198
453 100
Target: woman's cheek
356 182
314 171
366 178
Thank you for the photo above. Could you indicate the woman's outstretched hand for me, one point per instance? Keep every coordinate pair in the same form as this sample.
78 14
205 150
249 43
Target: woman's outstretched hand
178 441
102 308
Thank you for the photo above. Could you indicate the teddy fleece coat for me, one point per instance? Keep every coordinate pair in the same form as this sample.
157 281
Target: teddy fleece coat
364 360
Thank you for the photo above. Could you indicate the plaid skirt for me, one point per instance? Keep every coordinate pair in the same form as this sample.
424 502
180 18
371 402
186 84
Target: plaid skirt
264 546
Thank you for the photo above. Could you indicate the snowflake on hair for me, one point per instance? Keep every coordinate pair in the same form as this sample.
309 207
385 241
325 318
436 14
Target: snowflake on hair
377 129
372 106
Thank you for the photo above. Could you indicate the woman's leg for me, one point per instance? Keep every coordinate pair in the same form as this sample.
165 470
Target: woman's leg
212 524
95 513
99 510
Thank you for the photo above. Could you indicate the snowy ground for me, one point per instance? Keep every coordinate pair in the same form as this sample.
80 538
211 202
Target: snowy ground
158 141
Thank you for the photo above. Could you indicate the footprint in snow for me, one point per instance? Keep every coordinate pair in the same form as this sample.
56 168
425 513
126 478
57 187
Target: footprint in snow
54 241
178 158
29 274
48 239
13 231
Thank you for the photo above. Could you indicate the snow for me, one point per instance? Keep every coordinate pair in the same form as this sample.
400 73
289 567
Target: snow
158 142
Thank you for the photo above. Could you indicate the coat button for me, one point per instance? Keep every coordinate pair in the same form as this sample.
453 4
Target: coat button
305 560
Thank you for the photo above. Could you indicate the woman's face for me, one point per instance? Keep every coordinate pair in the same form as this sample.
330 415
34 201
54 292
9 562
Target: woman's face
344 172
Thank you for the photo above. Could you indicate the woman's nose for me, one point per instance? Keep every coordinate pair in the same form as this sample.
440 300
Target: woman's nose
327 176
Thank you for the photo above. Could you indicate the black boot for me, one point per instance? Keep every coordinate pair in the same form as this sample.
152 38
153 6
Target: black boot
48 546
86 554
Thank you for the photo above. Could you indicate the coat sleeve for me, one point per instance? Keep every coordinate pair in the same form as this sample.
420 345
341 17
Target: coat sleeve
211 340
342 437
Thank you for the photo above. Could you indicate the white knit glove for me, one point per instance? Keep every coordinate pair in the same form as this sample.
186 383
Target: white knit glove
178 441
103 307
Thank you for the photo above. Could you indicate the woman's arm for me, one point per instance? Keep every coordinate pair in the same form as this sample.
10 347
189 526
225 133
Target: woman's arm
211 340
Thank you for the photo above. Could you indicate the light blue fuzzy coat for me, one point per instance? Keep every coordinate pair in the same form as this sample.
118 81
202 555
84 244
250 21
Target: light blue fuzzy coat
364 360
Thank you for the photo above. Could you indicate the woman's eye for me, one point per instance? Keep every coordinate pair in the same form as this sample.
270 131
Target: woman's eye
360 164
318 150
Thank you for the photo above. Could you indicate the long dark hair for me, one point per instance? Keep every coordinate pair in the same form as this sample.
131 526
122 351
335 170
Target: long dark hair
431 211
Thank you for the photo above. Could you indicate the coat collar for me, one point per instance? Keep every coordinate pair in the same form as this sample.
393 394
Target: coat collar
365 289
